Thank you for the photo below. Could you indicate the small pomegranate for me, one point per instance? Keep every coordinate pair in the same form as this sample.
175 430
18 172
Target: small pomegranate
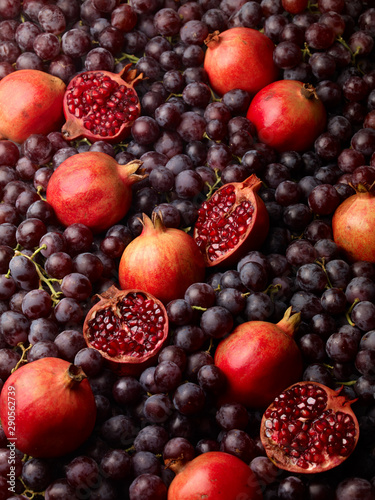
214 475
233 221
231 54
101 105
93 189
128 327
309 428
259 360
353 225
48 408
288 115
31 102
163 261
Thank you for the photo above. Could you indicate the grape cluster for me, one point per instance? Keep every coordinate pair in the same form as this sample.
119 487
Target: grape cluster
190 142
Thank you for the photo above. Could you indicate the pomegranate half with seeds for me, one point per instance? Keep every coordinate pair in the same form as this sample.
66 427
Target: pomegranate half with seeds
100 105
233 221
128 327
309 428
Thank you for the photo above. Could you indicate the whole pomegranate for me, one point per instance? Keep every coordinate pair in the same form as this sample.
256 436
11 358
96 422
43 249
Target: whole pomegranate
128 327
214 475
288 115
259 360
231 222
231 54
31 102
101 105
353 225
309 428
48 405
163 261
91 188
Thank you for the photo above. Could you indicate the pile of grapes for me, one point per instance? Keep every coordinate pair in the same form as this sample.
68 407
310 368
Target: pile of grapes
190 142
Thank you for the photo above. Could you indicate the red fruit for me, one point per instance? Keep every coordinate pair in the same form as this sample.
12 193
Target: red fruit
128 327
288 115
31 102
353 225
294 6
215 475
162 261
239 58
233 221
47 407
259 360
101 105
93 189
309 428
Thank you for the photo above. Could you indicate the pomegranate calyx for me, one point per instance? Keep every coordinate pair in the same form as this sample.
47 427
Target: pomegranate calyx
212 38
308 91
74 376
128 171
290 322
130 75
153 224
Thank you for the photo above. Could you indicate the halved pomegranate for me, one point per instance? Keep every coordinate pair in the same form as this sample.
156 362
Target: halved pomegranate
233 221
309 428
128 327
101 105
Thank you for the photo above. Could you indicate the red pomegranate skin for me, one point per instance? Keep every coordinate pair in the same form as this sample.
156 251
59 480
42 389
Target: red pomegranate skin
215 475
239 58
31 102
93 189
53 415
288 115
259 360
161 261
353 226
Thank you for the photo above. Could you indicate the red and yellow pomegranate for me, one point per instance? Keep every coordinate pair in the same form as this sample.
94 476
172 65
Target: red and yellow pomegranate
128 327
162 261
309 428
239 58
214 475
31 102
288 115
91 188
48 406
101 105
259 360
231 222
353 225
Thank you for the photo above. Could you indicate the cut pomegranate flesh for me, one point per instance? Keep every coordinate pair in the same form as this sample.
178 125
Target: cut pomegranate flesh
132 326
102 104
309 428
222 222
233 221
